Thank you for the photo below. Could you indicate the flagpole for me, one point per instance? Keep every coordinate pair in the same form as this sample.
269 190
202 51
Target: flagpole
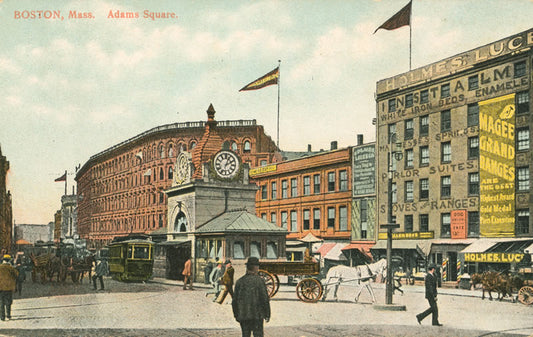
410 39
279 80
65 182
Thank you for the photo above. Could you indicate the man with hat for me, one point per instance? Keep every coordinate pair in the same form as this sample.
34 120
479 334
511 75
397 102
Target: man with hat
431 295
227 282
214 278
8 277
251 303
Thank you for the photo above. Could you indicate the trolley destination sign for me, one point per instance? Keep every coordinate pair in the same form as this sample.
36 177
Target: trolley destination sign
494 257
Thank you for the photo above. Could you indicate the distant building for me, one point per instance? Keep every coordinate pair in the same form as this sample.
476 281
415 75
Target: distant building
69 216
6 208
34 232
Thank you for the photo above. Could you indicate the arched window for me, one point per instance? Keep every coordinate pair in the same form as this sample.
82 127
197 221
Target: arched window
192 145
161 151
234 146
170 173
225 145
170 150
247 146
161 174
180 224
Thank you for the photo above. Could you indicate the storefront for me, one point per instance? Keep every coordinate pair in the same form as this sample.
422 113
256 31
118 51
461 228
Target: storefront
408 256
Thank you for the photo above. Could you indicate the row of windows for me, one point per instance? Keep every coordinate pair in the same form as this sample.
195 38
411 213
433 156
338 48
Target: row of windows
336 218
289 187
212 249
473 84
128 201
146 177
140 222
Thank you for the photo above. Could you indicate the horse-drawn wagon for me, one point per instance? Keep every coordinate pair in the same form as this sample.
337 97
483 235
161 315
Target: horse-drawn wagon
525 293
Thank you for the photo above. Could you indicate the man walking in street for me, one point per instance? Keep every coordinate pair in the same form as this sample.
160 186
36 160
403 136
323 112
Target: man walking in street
227 282
100 271
251 304
187 272
214 278
431 295
8 277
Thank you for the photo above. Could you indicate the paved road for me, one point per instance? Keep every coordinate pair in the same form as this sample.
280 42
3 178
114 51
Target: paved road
163 309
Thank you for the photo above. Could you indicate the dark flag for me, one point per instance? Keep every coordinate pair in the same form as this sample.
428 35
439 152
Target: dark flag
400 19
62 178
269 79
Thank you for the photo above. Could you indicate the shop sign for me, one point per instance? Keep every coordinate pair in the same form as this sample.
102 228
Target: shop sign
263 169
494 257
407 235
458 224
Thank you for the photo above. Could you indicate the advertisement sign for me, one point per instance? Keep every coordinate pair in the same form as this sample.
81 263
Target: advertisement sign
407 235
496 166
364 168
494 257
458 224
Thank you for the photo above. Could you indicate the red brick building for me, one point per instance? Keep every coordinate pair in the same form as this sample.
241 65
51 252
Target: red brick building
120 189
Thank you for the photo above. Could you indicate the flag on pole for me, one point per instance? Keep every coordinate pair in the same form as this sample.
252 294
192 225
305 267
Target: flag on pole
62 178
269 79
400 19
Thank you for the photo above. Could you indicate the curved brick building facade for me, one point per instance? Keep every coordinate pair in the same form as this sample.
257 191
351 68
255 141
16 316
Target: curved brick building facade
120 189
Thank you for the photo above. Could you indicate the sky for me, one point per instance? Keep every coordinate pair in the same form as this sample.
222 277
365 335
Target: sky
75 87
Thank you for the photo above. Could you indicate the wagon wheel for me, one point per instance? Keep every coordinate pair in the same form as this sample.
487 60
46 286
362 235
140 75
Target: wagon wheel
309 290
270 282
276 280
525 295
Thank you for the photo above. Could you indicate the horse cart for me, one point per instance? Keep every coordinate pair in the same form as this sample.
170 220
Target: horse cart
309 289
525 293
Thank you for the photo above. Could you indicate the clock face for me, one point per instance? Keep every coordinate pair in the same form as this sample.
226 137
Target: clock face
226 164
182 168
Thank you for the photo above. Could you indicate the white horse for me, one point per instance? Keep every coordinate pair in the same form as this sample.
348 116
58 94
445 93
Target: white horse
362 275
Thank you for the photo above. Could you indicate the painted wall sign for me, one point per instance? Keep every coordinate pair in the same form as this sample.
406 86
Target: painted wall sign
458 224
496 166
407 236
364 170
262 169
494 257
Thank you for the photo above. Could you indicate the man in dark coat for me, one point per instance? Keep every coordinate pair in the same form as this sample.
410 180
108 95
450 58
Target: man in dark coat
431 295
251 304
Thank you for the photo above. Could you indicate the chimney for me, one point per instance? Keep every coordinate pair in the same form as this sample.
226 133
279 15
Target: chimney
308 147
334 145
359 139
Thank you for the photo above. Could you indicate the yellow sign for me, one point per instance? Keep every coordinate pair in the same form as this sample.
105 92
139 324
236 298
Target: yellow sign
494 257
263 169
406 236
496 166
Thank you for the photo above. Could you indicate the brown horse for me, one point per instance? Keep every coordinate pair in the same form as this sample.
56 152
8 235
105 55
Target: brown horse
81 266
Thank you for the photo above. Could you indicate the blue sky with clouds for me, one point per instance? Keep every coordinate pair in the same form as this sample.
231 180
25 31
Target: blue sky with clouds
72 88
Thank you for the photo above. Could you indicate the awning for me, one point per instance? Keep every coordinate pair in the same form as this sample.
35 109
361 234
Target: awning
363 247
335 253
479 246
21 242
291 249
310 238
325 248
423 247
173 243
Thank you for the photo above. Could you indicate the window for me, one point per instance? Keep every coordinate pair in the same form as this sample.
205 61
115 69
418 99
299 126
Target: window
473 183
445 225
522 221
238 250
307 185
424 222
408 100
408 223
170 173
161 174
234 146
522 102
424 189
393 192
255 249
445 187
392 104
264 192
522 139
161 197
445 90
424 156
343 218
520 69
273 217
409 191
472 115
473 82
473 147
247 146
331 216
264 216
446 152
284 219
192 145
161 151
424 96
284 189
364 218
424 125
316 218
316 183
392 131
473 223
294 187
445 121
409 129
273 190
170 151
294 222
409 158
523 179
263 162
331 181
343 180
307 213
225 145
272 250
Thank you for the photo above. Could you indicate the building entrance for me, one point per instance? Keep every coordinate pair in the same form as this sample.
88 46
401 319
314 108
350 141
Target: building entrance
176 257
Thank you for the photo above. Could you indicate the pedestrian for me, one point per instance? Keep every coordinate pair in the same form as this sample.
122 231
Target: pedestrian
207 272
8 277
187 272
100 271
227 282
251 304
214 278
21 269
431 295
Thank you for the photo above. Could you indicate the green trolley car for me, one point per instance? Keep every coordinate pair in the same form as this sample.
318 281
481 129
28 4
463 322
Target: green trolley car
131 260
